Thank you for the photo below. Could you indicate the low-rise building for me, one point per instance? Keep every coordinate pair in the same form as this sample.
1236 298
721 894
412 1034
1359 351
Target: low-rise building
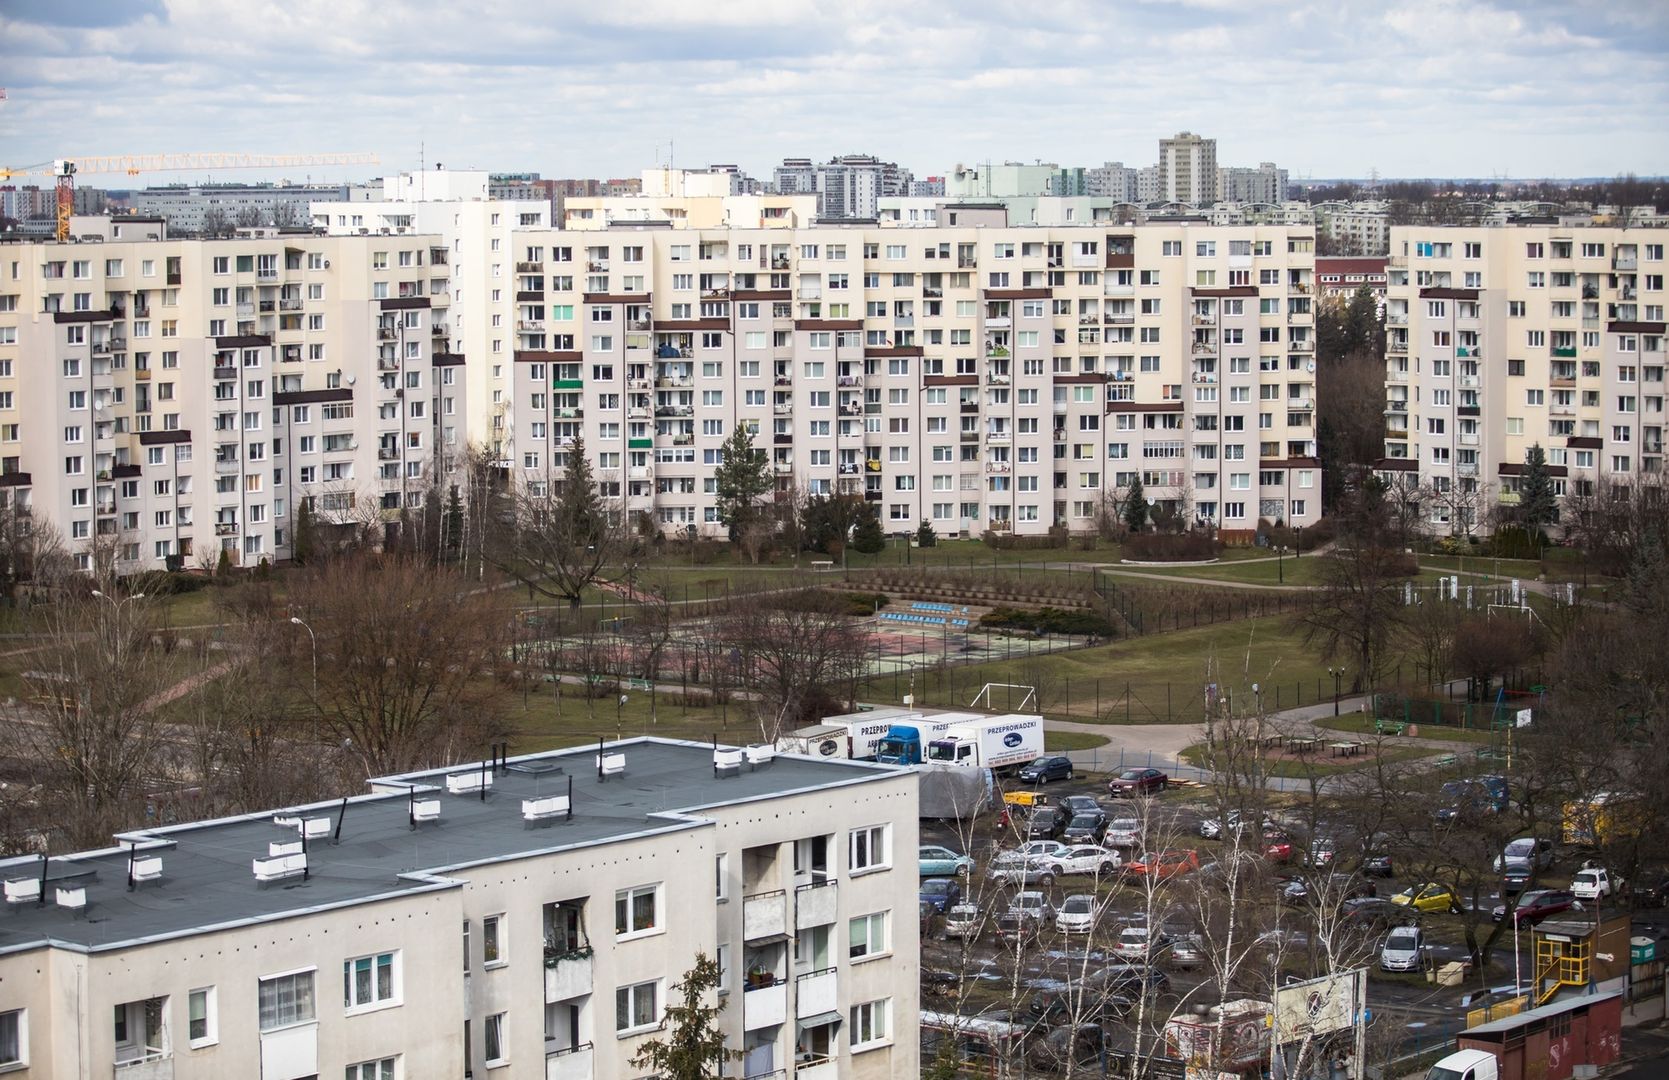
532 915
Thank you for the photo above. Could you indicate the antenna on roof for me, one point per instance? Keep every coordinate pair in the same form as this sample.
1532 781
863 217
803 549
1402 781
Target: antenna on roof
336 837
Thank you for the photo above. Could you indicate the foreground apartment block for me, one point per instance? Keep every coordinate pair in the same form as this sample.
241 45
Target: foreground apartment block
978 376
178 398
524 920
1500 338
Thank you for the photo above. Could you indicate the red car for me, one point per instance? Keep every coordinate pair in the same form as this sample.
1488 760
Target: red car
1164 864
1137 782
1277 846
1536 905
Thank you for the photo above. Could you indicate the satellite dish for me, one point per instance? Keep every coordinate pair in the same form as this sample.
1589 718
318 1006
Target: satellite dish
352 379
1310 366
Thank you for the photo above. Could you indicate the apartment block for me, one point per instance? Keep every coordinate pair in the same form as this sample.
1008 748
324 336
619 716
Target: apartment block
171 399
1500 338
522 918
1188 168
976 377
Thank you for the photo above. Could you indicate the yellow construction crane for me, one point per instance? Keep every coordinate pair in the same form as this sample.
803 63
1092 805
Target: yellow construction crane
65 169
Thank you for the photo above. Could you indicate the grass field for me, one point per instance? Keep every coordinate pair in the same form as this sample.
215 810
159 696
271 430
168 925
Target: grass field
1062 741
1176 666
1358 724
1317 765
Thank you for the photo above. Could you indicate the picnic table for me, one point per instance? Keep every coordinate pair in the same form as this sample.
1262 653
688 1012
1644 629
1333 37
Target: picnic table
1271 740
1345 749
1302 745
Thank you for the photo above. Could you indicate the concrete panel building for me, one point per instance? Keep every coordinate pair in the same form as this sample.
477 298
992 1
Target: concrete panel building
1500 338
530 918
1188 168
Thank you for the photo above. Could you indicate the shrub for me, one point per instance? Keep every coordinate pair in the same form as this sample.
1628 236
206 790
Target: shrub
1516 542
1048 620
1048 541
1171 547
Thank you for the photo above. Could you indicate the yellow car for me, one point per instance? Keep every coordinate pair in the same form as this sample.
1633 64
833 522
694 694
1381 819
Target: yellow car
1427 897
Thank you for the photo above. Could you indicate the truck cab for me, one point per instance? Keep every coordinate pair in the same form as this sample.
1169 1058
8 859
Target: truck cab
1466 1065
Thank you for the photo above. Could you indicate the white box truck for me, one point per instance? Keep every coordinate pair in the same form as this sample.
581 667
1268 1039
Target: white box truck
999 743
864 730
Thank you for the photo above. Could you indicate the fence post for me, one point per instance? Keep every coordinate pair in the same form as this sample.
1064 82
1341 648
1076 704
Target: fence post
1167 702
1126 711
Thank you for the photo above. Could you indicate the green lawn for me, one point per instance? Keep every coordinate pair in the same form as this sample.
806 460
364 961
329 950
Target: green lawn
1061 741
1177 665
1358 724
541 721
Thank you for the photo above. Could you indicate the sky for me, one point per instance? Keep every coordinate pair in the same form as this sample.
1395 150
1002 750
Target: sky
1325 88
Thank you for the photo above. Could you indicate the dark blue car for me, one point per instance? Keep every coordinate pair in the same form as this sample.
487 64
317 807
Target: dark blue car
1473 797
1045 769
941 892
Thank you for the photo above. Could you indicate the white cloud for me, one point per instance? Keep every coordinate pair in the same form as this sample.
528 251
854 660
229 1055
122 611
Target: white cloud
1425 87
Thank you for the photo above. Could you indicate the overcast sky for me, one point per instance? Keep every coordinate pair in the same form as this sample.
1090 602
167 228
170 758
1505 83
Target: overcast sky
1323 87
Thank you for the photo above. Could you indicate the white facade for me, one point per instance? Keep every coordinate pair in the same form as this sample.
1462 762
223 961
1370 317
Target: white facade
1188 168
535 933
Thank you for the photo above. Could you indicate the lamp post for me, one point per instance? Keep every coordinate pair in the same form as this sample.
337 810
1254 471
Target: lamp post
314 641
1338 682
117 605
1280 566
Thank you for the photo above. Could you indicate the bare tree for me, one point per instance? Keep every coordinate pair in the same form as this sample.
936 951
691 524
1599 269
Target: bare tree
561 534
794 651
405 654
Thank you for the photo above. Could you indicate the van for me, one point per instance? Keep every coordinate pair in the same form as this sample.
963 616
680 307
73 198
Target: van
1404 950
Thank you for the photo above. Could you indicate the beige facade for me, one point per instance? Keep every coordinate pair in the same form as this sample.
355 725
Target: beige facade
1501 338
176 398
438 934
977 377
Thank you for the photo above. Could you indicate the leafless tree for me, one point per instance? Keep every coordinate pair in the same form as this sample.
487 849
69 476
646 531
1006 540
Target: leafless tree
792 649
405 654
558 535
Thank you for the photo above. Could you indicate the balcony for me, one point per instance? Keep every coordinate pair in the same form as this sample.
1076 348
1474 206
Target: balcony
530 268
142 374
765 915
1301 346
820 1069
573 1063
814 904
809 292
998 322
1396 376
1205 348
226 528
226 466
764 1004
535 325
154 1065
1470 382
568 975
1396 346
1467 440
289 304
993 379
997 438
1130 320
997 467
1565 353
816 993
1396 318
266 273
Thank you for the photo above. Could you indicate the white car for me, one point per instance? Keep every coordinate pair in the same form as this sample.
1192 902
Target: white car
1031 849
1404 949
1082 859
1594 883
963 921
1013 868
1135 942
1032 905
1123 832
1078 913
1525 853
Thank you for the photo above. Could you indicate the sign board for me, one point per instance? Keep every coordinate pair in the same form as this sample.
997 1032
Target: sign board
1319 1006
1523 719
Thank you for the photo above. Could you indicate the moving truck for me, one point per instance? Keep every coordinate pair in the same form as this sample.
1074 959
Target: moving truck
1000 743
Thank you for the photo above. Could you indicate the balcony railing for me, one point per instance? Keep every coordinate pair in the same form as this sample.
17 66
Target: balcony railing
815 993
567 975
764 1004
572 1063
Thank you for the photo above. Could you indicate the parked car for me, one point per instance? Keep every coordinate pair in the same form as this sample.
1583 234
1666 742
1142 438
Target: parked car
1404 949
1081 859
941 861
1071 1044
1372 915
1536 905
1164 864
1078 804
1033 905
941 892
1035 848
929 919
1653 890
1213 828
1376 856
1526 851
964 921
1137 782
1324 848
1015 929
1473 797
1187 951
1085 828
1046 823
1013 868
1128 982
1045 769
1514 879
1123 832
1594 883
1139 943
1277 845
1427 897
1331 888
1078 913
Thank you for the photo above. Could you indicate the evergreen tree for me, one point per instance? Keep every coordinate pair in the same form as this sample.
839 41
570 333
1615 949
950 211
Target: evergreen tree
925 536
454 529
867 536
1135 506
302 537
741 479
693 1047
1535 492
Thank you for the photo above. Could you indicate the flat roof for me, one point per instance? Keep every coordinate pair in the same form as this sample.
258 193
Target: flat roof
208 883
1530 1016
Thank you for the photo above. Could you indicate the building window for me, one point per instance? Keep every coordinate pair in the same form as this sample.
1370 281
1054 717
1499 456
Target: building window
868 935
286 1000
869 849
637 1007
14 1038
497 1053
201 1027
369 980
372 1070
869 1024
637 911
492 941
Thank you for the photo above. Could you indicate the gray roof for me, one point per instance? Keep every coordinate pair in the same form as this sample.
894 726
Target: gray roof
207 881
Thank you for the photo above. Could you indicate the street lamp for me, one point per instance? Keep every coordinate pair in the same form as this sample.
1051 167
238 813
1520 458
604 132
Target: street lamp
117 605
1338 682
313 639
1280 566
